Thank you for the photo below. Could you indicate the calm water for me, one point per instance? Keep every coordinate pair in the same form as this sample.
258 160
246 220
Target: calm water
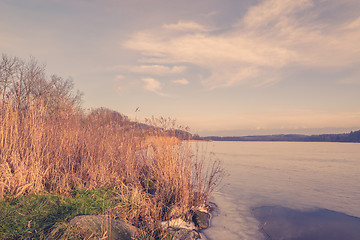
299 176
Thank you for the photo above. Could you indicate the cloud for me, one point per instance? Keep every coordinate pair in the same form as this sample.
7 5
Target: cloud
270 37
273 11
354 24
186 26
152 85
157 69
182 81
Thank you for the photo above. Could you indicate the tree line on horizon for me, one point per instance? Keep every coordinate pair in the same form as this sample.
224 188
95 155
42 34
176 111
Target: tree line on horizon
353 136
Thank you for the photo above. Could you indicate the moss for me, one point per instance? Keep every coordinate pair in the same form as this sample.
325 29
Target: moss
33 216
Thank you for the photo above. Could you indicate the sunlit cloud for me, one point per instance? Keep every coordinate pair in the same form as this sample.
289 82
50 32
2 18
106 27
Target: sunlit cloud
354 24
153 85
270 37
186 26
157 69
273 11
182 81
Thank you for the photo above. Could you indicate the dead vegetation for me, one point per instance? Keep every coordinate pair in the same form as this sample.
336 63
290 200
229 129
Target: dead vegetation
49 144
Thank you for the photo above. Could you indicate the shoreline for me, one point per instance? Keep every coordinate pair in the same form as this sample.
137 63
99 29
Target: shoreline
278 222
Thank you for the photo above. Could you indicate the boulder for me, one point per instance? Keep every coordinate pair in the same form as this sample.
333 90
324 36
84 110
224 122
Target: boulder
201 219
94 226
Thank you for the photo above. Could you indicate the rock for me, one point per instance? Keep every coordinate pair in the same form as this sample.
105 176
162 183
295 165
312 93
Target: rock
212 207
92 226
181 230
201 219
178 223
184 234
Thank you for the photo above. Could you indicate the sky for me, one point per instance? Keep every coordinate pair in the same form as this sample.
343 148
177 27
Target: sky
220 67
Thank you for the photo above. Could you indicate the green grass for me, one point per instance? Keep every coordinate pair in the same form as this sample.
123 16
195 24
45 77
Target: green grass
34 216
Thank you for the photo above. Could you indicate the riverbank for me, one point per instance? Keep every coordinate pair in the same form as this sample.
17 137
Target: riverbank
84 214
51 148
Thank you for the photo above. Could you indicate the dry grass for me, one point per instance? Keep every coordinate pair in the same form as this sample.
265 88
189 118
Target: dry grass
159 176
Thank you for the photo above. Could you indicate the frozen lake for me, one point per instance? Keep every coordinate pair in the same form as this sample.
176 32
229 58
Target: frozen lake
293 175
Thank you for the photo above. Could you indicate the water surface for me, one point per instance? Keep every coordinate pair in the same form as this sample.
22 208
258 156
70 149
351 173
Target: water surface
293 175
285 223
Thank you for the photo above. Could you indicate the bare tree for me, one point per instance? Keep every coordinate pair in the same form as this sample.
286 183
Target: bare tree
26 83
61 94
7 70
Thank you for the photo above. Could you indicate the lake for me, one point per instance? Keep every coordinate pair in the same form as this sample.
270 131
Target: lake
280 179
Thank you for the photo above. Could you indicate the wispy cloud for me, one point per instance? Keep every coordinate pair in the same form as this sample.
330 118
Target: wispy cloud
182 81
157 69
272 36
273 11
186 26
353 24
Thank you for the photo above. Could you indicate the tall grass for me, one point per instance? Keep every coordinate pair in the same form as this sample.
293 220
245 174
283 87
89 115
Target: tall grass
158 175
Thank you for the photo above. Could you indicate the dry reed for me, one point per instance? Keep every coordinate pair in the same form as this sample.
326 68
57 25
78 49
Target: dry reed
42 149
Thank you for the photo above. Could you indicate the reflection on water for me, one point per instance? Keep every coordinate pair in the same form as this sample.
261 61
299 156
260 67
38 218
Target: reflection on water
288 224
299 176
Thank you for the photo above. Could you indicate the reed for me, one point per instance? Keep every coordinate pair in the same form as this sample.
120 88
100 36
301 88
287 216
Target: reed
58 149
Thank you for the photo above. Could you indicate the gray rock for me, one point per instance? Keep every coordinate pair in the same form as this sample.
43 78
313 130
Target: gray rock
92 226
201 219
184 234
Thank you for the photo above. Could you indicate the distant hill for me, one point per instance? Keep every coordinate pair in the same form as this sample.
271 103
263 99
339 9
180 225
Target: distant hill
343 137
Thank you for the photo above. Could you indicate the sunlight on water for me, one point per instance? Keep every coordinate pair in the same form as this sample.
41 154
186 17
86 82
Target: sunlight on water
296 175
